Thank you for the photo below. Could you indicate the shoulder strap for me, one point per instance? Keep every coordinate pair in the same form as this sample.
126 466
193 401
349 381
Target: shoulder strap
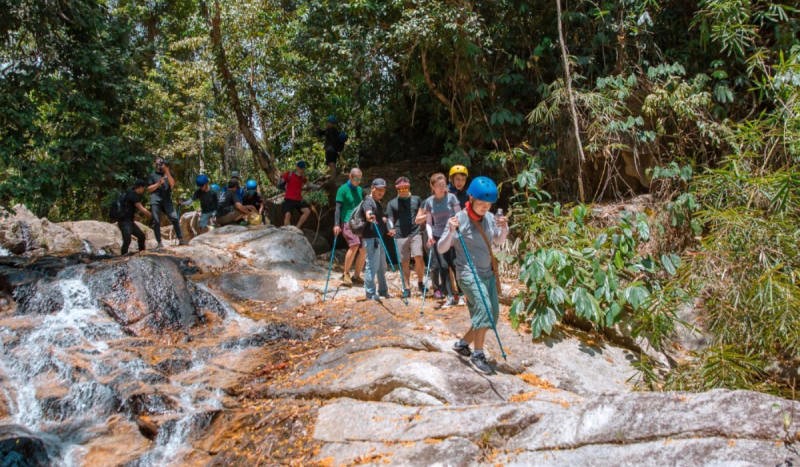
477 226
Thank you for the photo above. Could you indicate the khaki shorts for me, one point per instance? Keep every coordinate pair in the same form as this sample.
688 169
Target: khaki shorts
408 247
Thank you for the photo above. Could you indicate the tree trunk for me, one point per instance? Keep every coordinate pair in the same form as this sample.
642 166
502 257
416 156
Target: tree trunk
261 156
573 110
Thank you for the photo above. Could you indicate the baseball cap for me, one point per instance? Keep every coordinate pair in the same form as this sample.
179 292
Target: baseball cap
235 174
379 183
302 164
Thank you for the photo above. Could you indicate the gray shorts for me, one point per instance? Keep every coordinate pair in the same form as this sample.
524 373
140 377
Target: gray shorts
408 247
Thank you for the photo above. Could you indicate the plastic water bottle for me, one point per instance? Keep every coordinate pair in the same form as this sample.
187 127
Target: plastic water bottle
499 212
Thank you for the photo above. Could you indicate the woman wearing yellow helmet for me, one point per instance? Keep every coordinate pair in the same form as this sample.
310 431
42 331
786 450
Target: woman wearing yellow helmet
458 183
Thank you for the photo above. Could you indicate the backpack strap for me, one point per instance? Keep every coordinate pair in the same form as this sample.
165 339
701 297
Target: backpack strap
477 226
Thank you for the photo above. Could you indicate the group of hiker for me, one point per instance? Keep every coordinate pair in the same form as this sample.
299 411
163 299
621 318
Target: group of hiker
463 272
218 207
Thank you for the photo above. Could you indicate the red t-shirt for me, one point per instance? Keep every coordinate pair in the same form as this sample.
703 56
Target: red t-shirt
294 186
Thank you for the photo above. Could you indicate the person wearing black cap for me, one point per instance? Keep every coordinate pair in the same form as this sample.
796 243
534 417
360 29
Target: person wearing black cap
132 202
294 183
376 261
230 208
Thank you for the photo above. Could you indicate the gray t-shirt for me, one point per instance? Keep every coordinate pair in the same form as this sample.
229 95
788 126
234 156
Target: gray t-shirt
481 256
441 209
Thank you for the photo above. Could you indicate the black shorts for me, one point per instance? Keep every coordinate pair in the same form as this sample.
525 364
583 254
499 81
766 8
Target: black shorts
331 156
290 205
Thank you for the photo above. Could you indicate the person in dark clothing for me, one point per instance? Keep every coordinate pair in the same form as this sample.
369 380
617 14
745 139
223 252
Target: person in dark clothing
458 183
208 202
131 203
333 144
253 198
230 209
405 216
159 185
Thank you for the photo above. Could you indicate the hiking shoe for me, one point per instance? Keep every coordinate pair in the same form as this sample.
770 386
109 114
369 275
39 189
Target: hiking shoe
346 281
357 280
478 360
449 302
438 295
183 242
385 295
461 300
462 349
373 297
159 246
406 293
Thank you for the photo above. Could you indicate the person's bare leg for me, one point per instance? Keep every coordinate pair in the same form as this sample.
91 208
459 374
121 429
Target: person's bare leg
419 268
349 257
305 213
406 265
480 337
361 259
287 218
469 336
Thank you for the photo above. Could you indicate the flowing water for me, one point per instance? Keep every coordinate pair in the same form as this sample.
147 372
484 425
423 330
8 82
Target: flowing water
66 373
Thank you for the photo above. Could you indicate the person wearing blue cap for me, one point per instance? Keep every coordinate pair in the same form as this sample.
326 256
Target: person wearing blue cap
293 183
375 269
478 228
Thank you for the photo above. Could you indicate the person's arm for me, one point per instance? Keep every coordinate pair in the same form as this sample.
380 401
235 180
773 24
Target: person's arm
429 225
141 209
448 236
168 174
337 214
154 186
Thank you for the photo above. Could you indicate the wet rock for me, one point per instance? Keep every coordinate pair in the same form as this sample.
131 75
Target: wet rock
144 294
23 233
20 447
171 366
271 332
147 428
98 237
117 442
149 402
41 297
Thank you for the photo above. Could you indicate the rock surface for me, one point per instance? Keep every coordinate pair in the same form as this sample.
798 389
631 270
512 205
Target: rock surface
22 233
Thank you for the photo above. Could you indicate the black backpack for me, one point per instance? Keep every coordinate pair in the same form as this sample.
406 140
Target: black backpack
117 208
358 220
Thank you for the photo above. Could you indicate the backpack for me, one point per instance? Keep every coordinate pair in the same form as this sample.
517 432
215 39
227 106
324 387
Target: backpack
282 181
117 210
340 140
358 220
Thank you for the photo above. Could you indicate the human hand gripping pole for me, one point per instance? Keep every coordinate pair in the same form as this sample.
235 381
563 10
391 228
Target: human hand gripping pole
480 291
330 266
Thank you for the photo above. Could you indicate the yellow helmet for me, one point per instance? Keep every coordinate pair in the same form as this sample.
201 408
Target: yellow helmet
458 169
254 219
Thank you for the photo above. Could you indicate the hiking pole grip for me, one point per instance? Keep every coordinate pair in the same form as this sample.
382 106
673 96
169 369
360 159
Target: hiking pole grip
330 266
478 284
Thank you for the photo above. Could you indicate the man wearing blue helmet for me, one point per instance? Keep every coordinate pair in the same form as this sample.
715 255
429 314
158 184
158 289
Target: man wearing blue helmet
478 228
208 202
253 198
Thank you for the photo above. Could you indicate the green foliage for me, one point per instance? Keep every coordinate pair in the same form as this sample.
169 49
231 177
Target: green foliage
595 273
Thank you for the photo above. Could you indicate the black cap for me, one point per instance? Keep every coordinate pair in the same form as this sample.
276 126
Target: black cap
139 183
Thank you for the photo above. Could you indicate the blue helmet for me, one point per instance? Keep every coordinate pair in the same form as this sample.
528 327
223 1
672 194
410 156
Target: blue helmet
483 188
215 187
201 179
331 119
251 184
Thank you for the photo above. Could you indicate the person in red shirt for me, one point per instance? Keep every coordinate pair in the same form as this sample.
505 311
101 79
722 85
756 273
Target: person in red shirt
293 199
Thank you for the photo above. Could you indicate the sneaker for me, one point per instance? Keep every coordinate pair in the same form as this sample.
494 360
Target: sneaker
183 242
438 295
462 349
159 246
373 297
385 295
406 293
449 302
478 360
346 281
357 280
461 301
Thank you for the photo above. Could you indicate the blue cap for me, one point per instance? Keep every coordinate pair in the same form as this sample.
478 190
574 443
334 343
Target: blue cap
302 164
331 118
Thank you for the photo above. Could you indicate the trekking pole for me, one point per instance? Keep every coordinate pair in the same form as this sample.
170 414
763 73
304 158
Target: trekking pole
478 283
330 266
425 284
400 267
385 250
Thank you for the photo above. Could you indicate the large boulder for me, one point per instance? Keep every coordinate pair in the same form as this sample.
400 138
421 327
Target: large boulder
145 294
103 238
18 446
265 246
22 233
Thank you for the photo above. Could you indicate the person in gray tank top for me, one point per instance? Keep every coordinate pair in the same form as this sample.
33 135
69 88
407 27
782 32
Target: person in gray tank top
478 227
